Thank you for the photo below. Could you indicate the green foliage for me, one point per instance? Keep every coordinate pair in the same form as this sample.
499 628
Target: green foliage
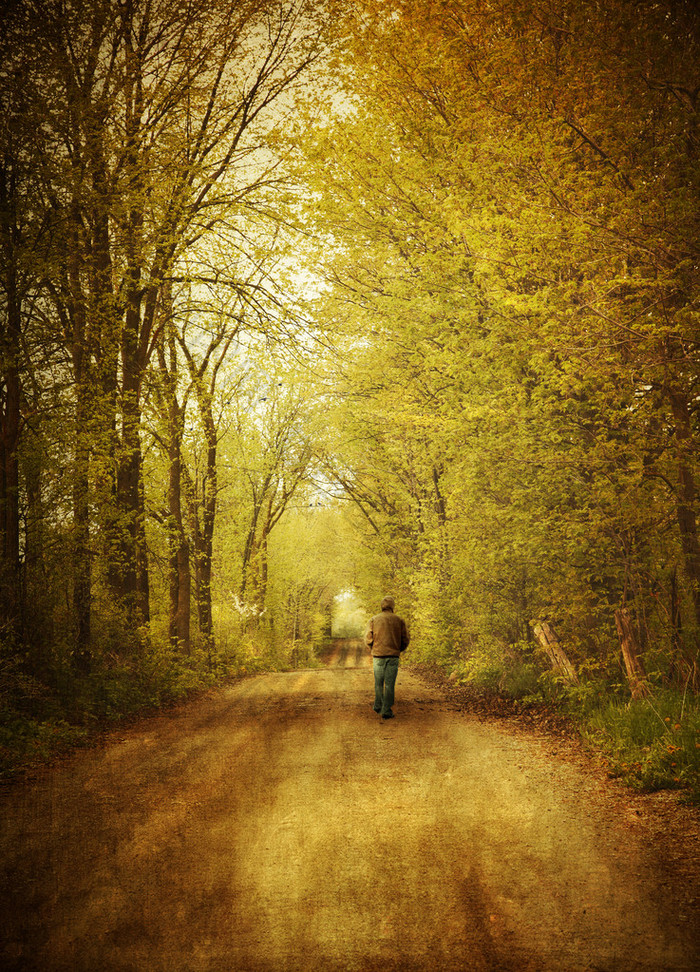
511 672
484 670
652 744
504 283
25 741
38 722
522 681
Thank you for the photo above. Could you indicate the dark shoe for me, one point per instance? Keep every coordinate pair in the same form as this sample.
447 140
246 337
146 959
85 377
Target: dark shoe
390 715
375 710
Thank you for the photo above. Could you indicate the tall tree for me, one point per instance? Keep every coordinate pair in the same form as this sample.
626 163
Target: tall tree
156 131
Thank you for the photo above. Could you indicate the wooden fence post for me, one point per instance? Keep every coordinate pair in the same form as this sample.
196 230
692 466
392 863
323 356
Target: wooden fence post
630 654
560 661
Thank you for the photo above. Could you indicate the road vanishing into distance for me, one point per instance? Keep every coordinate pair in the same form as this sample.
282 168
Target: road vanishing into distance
279 825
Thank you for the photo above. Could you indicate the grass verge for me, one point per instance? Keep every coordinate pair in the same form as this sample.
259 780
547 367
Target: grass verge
651 744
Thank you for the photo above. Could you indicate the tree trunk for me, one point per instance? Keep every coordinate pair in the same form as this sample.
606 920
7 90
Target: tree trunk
10 419
78 313
261 567
204 536
630 654
36 620
129 574
683 665
179 547
182 619
201 527
204 612
250 549
9 507
82 559
560 661
686 499
180 592
254 575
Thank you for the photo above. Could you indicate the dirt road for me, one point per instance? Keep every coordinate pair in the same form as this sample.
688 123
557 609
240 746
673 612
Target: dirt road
280 825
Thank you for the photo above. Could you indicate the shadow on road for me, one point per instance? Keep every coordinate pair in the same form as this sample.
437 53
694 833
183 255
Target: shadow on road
345 653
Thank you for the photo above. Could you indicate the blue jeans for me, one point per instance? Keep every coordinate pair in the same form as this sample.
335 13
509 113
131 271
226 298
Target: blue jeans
385 672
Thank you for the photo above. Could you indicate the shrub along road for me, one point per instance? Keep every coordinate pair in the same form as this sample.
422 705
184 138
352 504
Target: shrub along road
279 824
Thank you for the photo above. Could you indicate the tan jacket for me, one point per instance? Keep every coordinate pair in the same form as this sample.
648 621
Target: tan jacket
387 635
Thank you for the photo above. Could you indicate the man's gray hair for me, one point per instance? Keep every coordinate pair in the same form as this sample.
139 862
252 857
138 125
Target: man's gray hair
388 604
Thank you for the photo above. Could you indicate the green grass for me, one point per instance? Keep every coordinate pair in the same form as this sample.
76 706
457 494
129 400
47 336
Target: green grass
40 720
25 741
651 744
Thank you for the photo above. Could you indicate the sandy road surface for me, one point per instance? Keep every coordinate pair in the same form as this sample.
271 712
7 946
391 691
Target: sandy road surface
280 825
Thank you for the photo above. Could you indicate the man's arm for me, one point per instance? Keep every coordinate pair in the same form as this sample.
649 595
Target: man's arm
369 637
405 636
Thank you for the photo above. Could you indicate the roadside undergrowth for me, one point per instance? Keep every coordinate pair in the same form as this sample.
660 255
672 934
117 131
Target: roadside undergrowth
652 743
41 719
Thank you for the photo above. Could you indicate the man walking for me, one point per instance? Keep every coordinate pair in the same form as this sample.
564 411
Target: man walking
387 636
